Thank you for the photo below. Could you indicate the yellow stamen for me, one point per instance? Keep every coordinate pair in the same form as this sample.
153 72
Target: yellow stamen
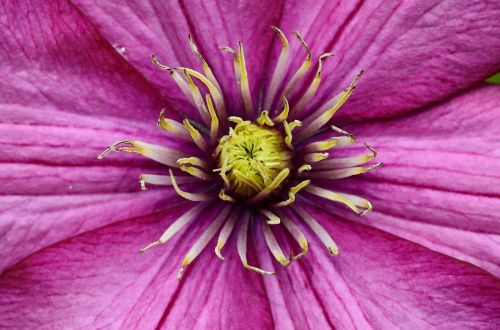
195 197
273 219
303 168
264 119
284 114
198 99
245 87
302 70
196 136
315 157
311 91
206 68
195 161
291 194
196 172
279 71
214 121
289 127
172 126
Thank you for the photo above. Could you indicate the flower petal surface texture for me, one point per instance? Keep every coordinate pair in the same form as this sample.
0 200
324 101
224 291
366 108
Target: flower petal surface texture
76 76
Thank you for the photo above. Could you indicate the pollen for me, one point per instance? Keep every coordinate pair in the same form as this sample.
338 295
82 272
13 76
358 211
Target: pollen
251 158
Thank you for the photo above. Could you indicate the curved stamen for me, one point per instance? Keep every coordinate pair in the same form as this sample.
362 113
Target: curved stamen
206 68
184 87
311 91
272 218
342 173
226 232
195 161
242 247
302 70
198 99
196 136
157 153
225 197
204 239
321 145
318 230
273 245
172 127
296 233
289 127
350 201
196 172
162 180
195 197
291 194
214 121
284 114
178 224
303 168
280 69
315 157
325 117
347 161
245 87
272 186
264 119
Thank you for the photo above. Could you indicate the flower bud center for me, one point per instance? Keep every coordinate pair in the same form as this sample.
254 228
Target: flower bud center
251 156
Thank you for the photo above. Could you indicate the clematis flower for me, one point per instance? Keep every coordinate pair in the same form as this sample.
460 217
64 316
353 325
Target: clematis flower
242 167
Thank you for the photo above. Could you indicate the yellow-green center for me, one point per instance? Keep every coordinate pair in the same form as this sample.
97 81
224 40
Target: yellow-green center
251 156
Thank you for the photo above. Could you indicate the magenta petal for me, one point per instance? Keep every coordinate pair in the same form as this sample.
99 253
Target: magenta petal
414 52
439 185
381 281
162 28
30 223
54 59
111 283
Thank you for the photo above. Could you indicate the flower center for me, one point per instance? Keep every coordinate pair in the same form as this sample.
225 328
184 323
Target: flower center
251 157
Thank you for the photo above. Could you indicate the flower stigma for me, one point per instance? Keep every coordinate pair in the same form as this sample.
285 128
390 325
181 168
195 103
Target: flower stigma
247 164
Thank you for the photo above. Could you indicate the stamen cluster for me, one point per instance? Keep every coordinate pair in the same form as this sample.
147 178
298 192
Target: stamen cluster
253 166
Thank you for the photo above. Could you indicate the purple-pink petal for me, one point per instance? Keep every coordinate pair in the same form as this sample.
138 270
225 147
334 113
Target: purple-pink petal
414 52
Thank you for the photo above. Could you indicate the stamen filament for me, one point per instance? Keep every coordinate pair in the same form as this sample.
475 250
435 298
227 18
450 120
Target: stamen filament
273 245
163 155
289 127
214 121
321 145
342 173
280 69
245 87
206 68
178 224
302 70
195 161
296 233
350 201
311 91
184 87
162 180
264 119
291 194
173 127
242 247
196 172
196 136
273 219
272 186
325 117
195 197
198 99
284 114
226 232
203 241
315 157
347 161
318 230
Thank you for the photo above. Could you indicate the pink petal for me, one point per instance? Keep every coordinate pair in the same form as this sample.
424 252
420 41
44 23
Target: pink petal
55 60
30 223
162 28
414 52
439 185
99 279
380 281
